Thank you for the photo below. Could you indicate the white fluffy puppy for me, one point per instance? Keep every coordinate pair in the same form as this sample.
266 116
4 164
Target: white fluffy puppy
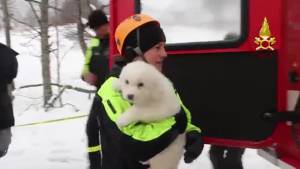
153 98
151 93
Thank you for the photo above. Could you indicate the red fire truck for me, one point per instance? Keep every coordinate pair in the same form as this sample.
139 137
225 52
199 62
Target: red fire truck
236 66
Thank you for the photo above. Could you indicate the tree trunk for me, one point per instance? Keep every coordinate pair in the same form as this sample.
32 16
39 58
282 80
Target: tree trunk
6 20
80 27
45 51
57 55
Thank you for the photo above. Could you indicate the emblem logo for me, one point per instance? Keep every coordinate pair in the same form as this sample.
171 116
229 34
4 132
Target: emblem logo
265 40
136 18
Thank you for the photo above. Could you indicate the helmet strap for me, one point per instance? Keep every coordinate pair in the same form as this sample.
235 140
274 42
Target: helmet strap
132 53
139 52
137 49
138 37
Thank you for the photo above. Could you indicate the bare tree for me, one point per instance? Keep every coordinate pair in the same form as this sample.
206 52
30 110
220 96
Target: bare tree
39 23
84 8
42 19
6 20
80 27
57 54
69 14
75 12
45 48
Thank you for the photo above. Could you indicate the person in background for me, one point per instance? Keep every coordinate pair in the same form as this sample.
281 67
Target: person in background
224 157
8 71
140 37
95 72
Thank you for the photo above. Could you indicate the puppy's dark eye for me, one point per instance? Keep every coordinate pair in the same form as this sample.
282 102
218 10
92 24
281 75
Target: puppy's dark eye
126 81
140 85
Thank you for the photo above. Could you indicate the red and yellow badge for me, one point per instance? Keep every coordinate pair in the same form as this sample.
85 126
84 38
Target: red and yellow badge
265 41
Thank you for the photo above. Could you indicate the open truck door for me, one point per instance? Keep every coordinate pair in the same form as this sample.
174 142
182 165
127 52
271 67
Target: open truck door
234 63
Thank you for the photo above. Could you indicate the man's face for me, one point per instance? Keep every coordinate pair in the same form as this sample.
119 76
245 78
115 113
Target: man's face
103 30
156 55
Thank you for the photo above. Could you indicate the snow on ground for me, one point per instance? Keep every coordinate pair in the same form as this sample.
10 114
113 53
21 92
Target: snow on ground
61 144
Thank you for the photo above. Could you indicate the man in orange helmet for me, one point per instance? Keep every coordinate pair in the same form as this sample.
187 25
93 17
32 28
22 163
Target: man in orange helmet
140 37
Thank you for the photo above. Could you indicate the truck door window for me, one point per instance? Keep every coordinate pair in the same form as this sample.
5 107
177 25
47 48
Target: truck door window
196 20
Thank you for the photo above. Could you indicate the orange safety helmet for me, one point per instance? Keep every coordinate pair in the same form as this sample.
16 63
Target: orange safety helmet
129 25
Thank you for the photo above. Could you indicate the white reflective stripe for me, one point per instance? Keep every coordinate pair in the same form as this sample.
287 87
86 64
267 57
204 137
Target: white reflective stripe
270 155
292 97
284 165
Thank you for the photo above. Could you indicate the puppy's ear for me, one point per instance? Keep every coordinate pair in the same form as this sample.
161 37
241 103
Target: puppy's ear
116 84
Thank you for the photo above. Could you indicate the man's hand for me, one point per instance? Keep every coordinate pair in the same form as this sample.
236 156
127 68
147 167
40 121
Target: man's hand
193 147
90 78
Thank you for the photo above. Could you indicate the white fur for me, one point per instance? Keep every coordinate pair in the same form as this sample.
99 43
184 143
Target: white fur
153 99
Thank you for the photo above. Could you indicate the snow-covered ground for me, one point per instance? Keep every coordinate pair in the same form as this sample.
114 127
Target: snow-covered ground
61 144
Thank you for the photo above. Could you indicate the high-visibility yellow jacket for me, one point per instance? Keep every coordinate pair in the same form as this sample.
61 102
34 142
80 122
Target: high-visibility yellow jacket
96 59
124 147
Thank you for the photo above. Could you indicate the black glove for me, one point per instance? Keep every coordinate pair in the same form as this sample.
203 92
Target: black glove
193 147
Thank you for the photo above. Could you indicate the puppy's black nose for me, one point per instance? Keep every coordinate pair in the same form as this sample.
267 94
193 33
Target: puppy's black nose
130 97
